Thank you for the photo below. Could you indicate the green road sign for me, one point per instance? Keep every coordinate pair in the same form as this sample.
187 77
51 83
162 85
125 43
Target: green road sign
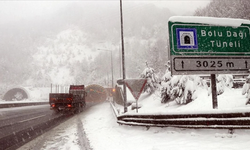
201 45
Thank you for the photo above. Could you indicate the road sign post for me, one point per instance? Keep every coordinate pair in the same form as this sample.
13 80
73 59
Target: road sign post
206 45
214 91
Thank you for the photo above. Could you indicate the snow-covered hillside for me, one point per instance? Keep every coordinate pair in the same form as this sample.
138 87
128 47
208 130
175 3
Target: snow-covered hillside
63 57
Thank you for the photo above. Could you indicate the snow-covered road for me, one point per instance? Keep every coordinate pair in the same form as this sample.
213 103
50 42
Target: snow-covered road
99 123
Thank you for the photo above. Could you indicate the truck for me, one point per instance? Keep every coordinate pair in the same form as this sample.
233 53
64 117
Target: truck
73 101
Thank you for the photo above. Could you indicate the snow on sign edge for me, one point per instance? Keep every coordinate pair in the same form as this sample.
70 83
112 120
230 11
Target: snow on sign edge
210 20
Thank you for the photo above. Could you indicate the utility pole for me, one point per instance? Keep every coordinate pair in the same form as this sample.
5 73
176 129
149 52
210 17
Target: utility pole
123 62
112 70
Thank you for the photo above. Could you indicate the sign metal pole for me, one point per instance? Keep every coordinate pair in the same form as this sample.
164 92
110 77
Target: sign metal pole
123 61
214 91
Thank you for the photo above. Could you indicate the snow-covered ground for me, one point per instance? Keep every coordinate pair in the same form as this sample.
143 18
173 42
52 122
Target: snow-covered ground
103 133
231 100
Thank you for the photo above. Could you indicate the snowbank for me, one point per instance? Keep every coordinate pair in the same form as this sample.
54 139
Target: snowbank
231 100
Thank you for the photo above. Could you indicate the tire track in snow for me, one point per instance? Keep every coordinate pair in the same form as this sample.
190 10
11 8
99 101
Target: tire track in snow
64 136
82 137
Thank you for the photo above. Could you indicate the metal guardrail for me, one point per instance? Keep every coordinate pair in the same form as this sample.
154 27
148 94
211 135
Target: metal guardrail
115 112
118 97
19 138
218 121
8 105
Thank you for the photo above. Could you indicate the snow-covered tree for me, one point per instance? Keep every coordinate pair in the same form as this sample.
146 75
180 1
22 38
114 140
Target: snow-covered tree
226 8
180 88
223 81
246 89
152 79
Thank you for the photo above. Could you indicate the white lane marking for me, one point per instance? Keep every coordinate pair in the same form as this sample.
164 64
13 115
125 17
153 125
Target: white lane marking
31 119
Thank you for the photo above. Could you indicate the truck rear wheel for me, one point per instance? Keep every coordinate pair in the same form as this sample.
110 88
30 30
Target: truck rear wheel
77 108
80 107
83 105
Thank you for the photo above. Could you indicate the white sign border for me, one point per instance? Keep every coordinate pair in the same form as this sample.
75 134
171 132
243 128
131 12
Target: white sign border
193 72
210 52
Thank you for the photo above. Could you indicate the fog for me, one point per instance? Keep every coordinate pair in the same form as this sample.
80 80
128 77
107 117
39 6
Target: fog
18 10
39 37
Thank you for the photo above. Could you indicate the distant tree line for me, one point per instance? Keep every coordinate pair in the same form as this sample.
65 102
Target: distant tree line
226 8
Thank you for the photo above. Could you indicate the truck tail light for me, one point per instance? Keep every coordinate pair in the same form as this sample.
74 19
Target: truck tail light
69 99
69 105
53 105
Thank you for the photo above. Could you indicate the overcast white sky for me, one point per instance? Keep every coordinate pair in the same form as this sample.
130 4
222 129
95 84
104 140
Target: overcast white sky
179 6
16 10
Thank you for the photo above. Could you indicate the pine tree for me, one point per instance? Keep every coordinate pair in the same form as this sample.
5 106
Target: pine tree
152 79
